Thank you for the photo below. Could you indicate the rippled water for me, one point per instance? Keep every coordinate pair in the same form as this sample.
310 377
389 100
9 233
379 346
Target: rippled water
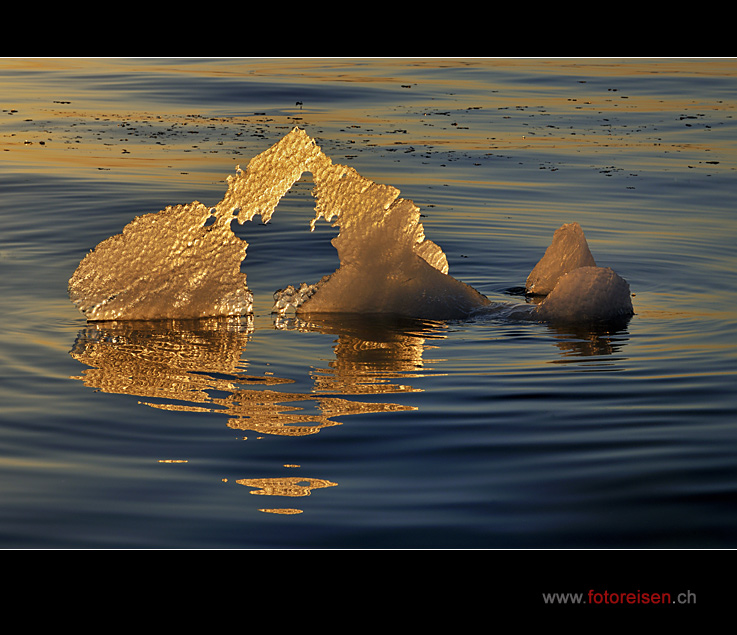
264 433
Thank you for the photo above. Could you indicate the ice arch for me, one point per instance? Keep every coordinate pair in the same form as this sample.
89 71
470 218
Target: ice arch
184 261
386 263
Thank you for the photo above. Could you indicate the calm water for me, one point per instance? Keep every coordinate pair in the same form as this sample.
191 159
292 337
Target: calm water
363 434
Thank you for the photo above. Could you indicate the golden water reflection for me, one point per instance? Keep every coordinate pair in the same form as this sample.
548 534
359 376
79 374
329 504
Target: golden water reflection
585 341
290 487
370 354
199 366
574 106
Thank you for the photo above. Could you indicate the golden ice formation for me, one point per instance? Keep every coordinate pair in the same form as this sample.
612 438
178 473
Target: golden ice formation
184 262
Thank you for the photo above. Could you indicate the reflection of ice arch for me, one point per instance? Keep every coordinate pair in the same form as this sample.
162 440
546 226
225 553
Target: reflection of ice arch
184 262
291 486
196 366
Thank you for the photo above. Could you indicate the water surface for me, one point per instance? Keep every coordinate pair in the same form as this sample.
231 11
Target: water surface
355 433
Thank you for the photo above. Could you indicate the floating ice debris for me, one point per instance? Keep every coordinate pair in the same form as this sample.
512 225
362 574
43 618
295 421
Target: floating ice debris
576 289
587 294
184 261
568 251
291 298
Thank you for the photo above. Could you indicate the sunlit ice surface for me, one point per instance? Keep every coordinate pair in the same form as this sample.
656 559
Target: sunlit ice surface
184 262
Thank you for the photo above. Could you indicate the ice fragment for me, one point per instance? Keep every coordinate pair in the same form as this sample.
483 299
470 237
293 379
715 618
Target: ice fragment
568 251
171 264
587 294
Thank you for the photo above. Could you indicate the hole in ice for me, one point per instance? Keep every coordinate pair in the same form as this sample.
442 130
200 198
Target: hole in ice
284 251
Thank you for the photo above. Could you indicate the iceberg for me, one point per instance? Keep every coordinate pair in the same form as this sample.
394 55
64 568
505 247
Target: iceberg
184 261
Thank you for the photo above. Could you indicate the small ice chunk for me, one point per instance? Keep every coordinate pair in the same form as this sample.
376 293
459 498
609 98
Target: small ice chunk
568 251
587 294
289 299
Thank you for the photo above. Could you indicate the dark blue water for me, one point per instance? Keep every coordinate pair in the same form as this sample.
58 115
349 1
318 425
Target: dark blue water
353 433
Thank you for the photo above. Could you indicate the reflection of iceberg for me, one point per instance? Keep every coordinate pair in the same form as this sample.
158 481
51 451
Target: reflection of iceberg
370 353
289 487
184 262
197 366
293 487
180 361
597 345
271 412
